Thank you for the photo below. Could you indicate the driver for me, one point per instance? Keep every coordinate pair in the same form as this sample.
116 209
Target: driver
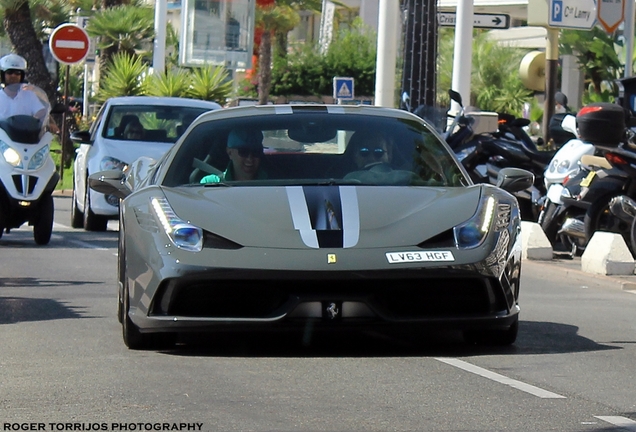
13 100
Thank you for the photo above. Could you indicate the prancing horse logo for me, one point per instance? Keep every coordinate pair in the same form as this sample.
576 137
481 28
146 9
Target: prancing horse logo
332 311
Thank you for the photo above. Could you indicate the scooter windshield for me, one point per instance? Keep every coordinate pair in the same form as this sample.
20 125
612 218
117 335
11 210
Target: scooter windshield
24 112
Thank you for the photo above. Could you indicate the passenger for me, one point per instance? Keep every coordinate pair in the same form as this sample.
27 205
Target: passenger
245 150
369 149
134 131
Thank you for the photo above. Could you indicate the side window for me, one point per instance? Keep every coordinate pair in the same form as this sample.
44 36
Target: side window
98 121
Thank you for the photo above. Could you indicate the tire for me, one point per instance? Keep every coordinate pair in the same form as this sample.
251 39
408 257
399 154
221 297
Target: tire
134 339
43 226
632 237
599 218
549 224
77 217
92 222
494 337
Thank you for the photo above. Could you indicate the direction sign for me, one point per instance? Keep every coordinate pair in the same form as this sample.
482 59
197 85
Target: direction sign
576 14
610 14
69 44
343 88
494 21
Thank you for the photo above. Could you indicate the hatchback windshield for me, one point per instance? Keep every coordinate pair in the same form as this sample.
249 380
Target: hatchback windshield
313 148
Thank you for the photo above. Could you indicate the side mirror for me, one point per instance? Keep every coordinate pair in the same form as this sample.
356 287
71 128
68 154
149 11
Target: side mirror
455 96
81 137
110 182
514 179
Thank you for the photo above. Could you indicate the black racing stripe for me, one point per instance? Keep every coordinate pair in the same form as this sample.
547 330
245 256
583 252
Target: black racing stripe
325 214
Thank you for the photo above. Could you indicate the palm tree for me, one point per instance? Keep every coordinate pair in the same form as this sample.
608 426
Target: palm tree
19 27
124 28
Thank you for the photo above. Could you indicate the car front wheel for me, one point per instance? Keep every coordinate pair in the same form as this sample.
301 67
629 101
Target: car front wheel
92 222
77 217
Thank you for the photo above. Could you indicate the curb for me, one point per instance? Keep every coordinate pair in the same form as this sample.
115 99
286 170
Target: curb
63 192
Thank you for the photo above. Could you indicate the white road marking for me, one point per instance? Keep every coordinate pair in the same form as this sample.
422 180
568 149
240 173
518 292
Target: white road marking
622 422
536 391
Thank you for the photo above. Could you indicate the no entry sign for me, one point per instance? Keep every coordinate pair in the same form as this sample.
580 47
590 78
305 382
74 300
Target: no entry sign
69 44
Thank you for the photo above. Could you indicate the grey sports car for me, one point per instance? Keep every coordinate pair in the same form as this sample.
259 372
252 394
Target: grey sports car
279 216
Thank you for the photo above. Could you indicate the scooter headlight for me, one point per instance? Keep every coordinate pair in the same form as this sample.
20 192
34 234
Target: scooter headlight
110 163
472 233
9 154
563 167
184 235
38 159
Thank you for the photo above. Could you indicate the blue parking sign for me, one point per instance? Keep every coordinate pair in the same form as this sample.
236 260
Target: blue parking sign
343 88
557 11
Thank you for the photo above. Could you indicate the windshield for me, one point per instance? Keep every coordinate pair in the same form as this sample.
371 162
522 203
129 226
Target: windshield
24 99
313 148
152 123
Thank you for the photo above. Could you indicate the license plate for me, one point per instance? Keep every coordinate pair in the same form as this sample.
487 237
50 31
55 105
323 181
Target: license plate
588 179
419 256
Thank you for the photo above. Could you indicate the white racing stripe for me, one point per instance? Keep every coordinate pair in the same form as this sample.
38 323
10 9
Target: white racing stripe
622 422
536 391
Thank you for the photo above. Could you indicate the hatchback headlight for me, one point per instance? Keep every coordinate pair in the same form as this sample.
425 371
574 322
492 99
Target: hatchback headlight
10 155
184 235
472 233
38 159
111 163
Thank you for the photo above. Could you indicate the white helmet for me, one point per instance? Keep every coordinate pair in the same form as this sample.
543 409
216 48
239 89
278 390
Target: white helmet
13 61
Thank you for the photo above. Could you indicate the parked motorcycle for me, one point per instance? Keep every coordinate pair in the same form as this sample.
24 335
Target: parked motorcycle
486 154
28 174
591 192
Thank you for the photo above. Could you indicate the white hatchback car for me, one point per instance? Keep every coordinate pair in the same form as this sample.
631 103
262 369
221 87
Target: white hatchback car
110 144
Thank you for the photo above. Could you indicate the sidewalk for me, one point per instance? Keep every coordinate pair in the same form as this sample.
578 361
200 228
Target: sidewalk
571 267
63 192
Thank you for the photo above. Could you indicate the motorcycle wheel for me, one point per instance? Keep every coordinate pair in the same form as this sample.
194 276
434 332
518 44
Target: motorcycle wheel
77 217
549 224
599 218
43 226
92 222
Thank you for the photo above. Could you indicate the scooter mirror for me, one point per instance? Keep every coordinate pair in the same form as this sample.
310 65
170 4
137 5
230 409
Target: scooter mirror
455 96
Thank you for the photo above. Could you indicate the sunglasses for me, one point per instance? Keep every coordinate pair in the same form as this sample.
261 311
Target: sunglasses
377 152
12 72
246 152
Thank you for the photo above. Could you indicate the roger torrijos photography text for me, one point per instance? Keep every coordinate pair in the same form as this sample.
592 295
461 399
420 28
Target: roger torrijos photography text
102 426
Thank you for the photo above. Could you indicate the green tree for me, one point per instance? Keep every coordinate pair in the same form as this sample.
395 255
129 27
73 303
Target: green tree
211 83
123 77
597 54
169 83
125 28
307 71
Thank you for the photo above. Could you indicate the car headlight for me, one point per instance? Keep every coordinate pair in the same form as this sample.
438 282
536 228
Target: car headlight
110 163
38 159
563 167
9 154
472 233
184 235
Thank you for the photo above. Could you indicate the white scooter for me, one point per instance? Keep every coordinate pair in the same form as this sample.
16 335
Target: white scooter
28 174
564 165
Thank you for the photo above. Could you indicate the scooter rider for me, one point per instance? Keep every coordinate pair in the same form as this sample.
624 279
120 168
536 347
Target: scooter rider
12 101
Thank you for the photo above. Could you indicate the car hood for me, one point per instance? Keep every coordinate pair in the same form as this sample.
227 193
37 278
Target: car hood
129 151
325 216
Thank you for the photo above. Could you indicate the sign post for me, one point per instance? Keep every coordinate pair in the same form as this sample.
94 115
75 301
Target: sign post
69 44
610 14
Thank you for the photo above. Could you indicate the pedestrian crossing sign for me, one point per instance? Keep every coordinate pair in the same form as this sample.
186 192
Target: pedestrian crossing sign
342 88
